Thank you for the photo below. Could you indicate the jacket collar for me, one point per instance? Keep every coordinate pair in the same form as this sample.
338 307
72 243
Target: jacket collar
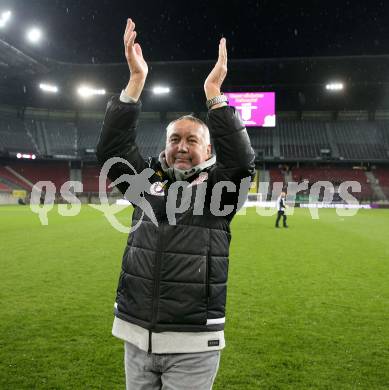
176 174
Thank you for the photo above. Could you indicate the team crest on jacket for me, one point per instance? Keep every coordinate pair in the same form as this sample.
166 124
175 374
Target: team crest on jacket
202 177
157 189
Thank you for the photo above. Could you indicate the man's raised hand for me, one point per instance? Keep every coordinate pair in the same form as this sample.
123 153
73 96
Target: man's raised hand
214 81
136 63
135 60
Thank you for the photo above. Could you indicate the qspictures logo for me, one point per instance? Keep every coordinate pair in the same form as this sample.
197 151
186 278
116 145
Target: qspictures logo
135 185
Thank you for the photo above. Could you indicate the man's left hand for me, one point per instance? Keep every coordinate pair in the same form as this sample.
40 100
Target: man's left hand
214 81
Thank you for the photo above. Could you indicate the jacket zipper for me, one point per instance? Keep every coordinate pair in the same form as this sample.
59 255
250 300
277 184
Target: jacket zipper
207 278
154 306
207 269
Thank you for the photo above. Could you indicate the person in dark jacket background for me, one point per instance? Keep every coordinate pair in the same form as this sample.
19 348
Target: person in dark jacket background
171 297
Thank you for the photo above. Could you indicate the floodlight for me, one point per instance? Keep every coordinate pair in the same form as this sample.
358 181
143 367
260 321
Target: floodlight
48 88
5 16
334 87
159 90
34 35
87 91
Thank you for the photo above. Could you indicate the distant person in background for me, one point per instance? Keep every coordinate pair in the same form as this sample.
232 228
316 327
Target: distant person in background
281 206
42 197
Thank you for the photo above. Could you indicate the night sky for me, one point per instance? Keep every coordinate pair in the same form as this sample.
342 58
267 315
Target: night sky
90 31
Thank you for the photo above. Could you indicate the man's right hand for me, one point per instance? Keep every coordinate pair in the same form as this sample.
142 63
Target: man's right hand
136 63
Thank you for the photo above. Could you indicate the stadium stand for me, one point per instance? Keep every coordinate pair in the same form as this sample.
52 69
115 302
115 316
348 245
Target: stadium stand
276 175
382 176
304 139
14 136
359 140
88 130
262 141
4 188
69 138
335 175
73 136
61 138
11 180
292 139
151 137
90 179
34 171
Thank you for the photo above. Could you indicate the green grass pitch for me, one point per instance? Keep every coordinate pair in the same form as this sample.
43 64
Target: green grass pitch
307 308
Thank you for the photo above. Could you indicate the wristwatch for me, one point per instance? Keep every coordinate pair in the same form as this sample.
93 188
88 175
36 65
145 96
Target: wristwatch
216 100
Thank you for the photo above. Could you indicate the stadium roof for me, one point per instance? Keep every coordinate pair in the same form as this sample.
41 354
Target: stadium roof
15 62
298 82
291 49
91 31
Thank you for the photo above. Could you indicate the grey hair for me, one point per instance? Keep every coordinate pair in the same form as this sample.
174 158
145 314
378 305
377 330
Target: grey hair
192 118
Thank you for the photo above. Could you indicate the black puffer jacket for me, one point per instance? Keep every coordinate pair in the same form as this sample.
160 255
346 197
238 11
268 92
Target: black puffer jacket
174 277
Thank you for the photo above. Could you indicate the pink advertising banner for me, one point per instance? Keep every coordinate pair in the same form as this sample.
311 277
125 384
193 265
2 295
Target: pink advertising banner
256 108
